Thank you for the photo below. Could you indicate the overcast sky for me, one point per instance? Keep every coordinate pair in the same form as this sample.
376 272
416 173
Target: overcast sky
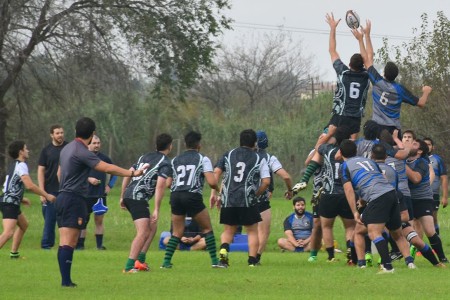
394 19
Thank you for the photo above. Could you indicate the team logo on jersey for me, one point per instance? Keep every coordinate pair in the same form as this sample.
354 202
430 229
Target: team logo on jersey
80 221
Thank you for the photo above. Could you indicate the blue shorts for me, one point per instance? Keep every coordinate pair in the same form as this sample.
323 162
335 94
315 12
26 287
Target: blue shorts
70 210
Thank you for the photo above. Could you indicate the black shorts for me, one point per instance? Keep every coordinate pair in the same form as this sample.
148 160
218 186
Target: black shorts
239 215
70 210
422 207
138 208
436 202
10 211
333 205
383 210
353 123
263 206
91 201
408 203
186 203
401 202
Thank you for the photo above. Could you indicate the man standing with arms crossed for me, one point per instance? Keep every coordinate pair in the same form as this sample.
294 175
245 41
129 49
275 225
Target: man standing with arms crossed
48 181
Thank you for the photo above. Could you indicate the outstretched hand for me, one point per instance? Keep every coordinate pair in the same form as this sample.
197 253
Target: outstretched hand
331 21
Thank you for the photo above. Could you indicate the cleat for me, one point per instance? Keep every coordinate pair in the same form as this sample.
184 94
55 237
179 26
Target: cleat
440 265
333 260
350 263
131 271
219 266
379 262
166 266
413 251
252 265
312 259
70 285
101 248
385 271
395 256
369 259
223 257
141 266
412 266
443 260
362 267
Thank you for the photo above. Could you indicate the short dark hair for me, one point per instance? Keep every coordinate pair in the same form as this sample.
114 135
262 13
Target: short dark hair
163 141
378 152
53 127
342 133
390 71
14 148
298 199
84 128
429 139
348 148
371 130
357 62
424 147
411 132
192 139
248 138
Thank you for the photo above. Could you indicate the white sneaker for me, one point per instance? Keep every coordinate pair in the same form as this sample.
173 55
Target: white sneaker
386 271
412 266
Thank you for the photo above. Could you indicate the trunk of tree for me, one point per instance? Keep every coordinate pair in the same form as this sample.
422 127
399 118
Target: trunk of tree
3 151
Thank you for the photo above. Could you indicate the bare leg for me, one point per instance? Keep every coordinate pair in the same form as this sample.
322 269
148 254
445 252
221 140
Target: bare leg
142 234
22 222
264 230
8 231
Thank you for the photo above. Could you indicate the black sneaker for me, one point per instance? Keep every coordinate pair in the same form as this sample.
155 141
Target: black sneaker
70 285
101 248
443 260
395 256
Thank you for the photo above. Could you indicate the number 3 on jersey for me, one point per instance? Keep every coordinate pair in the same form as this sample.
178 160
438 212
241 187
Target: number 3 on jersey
240 167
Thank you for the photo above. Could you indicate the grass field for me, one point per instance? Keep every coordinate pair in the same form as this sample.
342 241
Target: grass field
281 276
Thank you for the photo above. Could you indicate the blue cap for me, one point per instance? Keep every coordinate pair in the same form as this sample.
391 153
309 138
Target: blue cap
99 208
263 141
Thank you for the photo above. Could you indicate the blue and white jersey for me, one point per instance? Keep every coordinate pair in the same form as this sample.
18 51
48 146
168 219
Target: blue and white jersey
365 177
387 99
189 170
399 165
440 169
421 190
301 227
142 188
13 188
242 170
389 173
274 165
330 169
351 91
364 147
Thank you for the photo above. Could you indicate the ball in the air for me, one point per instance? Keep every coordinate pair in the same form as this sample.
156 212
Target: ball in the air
352 19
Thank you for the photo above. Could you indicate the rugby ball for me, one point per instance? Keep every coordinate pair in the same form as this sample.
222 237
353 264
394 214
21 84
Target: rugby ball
352 19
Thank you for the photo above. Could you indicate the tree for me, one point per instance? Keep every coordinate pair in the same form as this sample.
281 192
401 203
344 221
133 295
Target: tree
171 41
274 67
426 60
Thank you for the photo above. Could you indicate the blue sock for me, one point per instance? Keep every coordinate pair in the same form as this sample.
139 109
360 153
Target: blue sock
65 256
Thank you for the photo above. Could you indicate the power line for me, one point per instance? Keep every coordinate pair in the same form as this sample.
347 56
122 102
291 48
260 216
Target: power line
310 30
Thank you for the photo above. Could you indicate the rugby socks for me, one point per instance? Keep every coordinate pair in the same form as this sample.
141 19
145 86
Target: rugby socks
14 255
211 247
258 257
310 169
65 256
313 253
436 227
382 248
353 256
330 251
99 240
361 263
368 244
394 247
252 261
225 246
141 257
436 244
409 260
429 255
80 244
130 264
170 249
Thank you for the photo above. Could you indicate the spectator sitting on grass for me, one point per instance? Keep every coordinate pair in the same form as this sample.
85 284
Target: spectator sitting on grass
192 239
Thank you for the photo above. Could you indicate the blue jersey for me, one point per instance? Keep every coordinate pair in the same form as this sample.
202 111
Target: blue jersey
351 91
388 97
389 173
421 190
365 177
440 169
301 227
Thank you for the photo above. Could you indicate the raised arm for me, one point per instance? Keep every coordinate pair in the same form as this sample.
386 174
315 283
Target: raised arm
369 47
332 46
426 90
